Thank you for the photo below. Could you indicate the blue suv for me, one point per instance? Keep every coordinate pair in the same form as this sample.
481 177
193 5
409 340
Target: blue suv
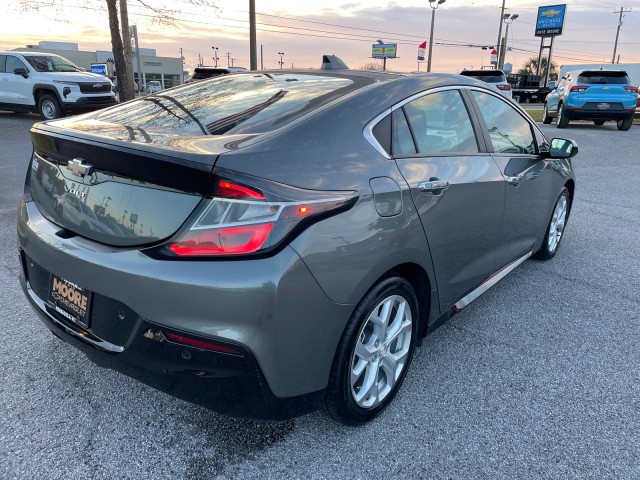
597 95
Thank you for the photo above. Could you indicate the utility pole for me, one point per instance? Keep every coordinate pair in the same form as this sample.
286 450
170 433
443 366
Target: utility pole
215 56
434 4
281 62
134 29
500 30
253 51
615 45
261 59
125 81
228 59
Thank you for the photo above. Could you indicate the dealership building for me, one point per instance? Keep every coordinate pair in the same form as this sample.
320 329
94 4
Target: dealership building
167 70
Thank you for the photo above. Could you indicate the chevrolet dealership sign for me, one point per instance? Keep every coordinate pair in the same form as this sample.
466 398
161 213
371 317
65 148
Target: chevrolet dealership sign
550 20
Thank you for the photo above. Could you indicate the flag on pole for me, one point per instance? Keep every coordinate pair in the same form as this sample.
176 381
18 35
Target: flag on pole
421 50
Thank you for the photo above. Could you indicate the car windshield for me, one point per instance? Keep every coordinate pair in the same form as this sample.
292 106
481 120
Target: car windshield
51 63
238 104
604 78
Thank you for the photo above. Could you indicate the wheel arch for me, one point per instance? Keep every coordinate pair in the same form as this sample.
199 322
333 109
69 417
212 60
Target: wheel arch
417 276
40 89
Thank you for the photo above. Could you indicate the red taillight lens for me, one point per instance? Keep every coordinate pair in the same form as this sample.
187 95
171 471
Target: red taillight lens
194 342
577 88
504 87
222 241
242 219
631 89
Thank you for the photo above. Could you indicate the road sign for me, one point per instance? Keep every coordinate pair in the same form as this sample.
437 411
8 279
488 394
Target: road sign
384 50
421 50
99 68
494 57
550 20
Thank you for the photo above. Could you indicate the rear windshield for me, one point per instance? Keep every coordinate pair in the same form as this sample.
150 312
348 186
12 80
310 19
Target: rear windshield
487 76
202 74
237 104
604 78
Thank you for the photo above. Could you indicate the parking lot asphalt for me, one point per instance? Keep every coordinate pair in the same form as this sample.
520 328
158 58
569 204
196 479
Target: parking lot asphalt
538 378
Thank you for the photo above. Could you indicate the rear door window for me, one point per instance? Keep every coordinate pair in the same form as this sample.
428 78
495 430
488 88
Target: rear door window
440 123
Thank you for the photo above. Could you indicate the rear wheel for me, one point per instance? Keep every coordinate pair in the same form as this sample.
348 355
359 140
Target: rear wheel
49 107
374 353
555 228
563 121
625 125
546 119
598 122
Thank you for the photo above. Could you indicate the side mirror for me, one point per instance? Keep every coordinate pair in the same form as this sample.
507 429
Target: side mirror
21 71
563 148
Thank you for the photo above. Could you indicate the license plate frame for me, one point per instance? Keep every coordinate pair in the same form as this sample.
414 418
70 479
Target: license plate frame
70 300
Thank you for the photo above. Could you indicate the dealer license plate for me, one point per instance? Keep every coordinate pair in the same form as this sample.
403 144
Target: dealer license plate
71 301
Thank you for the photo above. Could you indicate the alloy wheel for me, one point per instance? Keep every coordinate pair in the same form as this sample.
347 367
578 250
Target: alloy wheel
381 352
556 226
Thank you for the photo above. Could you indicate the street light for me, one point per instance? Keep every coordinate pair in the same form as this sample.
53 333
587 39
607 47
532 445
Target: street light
508 20
215 55
434 4
281 62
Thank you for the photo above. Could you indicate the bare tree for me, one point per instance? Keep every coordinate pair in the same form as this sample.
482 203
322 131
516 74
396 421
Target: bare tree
371 66
121 41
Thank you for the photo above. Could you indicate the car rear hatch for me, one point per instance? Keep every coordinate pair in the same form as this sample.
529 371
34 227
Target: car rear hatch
604 90
131 175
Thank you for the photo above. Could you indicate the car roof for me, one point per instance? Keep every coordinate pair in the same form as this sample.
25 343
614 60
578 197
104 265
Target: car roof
28 54
482 72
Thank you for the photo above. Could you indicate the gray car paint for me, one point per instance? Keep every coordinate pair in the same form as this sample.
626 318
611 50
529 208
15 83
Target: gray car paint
290 309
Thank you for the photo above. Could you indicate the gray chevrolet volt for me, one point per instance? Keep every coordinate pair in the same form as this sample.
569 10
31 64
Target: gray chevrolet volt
270 243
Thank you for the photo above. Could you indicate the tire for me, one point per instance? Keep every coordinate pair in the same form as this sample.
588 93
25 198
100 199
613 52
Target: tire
625 125
562 121
546 119
555 227
49 107
598 122
389 309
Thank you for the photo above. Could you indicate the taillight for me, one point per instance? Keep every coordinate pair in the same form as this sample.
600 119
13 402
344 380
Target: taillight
631 89
504 87
577 88
243 218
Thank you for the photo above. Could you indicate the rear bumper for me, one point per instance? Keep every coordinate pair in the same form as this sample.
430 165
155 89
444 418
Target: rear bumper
577 113
231 384
271 310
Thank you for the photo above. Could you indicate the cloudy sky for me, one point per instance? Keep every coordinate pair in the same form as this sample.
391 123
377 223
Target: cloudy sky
304 30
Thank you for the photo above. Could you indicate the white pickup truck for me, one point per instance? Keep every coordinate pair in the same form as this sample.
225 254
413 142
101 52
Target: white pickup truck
50 85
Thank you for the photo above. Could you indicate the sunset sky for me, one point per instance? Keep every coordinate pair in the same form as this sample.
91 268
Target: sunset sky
306 30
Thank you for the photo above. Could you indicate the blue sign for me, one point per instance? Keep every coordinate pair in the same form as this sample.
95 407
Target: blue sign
550 20
99 68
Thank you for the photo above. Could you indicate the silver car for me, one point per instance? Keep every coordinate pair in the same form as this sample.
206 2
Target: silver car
269 243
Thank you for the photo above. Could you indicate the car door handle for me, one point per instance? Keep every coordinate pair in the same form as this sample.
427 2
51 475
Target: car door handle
433 185
515 180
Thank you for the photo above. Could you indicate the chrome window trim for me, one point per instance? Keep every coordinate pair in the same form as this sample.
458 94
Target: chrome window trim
368 129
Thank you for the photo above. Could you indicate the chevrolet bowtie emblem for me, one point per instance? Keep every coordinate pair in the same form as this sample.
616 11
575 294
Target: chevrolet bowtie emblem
79 168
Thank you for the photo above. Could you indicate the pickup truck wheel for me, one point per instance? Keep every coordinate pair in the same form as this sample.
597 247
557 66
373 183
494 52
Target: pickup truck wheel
598 122
625 125
546 119
562 121
49 107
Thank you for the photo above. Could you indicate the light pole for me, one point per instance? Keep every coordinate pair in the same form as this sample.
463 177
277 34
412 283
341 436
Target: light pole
215 55
281 62
508 20
434 4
